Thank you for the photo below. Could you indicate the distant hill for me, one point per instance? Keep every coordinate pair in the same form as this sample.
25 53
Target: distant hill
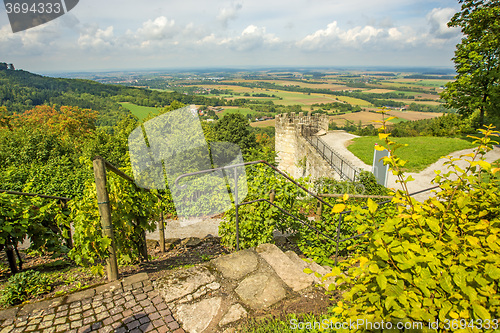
21 90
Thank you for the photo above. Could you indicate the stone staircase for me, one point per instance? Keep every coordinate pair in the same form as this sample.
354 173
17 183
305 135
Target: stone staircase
215 296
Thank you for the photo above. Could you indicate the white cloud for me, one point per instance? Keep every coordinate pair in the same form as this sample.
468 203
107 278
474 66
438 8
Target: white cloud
438 19
96 38
34 41
158 29
333 35
251 38
230 13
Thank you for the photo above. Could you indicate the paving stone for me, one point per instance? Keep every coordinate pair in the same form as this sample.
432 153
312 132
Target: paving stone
102 315
96 326
62 328
121 330
59 321
133 324
62 313
196 317
165 312
76 316
49 330
75 304
235 313
7 329
45 324
237 265
180 283
145 303
76 324
117 317
89 320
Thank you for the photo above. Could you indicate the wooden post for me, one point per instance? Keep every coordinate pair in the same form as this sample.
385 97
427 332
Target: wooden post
105 212
319 212
161 229
69 241
272 195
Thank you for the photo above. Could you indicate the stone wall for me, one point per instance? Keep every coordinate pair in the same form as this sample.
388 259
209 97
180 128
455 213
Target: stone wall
295 155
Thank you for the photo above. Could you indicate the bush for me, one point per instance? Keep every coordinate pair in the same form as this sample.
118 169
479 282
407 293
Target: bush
23 286
435 261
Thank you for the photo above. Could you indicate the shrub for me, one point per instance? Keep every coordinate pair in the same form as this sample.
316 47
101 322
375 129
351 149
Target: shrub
435 262
24 286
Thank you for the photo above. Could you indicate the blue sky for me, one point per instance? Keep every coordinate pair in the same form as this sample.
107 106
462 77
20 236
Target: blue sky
122 34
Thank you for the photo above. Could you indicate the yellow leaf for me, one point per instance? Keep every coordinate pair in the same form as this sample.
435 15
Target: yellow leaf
338 208
379 148
495 170
391 118
338 310
382 136
362 261
345 197
482 164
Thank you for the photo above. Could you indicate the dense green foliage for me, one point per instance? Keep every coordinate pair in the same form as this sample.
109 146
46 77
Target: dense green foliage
133 211
257 221
21 91
437 260
477 61
23 286
42 221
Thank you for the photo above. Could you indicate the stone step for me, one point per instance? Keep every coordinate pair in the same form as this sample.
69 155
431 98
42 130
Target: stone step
286 269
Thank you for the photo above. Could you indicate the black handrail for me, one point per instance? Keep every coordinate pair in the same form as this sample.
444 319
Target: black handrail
345 169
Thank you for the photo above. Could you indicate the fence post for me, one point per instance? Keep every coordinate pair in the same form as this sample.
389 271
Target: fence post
105 212
319 211
161 229
236 209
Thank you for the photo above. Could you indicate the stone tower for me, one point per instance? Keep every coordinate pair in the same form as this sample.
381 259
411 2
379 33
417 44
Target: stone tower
295 155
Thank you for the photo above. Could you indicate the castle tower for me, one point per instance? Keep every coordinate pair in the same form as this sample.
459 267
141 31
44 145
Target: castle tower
292 149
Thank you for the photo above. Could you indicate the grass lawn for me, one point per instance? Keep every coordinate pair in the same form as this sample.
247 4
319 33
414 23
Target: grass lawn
140 112
420 152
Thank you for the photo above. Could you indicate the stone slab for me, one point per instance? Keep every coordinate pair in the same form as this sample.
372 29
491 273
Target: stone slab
235 313
180 283
197 316
291 274
237 265
260 290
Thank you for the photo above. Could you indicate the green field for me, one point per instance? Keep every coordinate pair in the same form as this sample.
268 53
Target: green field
243 111
140 112
420 153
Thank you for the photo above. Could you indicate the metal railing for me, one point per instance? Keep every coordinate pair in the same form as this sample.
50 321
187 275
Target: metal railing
235 194
335 239
341 166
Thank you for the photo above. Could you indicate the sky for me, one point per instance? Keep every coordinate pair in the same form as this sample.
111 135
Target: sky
109 35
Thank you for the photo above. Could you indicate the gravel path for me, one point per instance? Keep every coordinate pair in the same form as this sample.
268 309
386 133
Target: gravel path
338 140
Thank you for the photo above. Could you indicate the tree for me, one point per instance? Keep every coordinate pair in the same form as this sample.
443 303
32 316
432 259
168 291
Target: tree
234 127
477 60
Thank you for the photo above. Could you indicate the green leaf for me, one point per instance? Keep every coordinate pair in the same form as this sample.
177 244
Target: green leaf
480 311
382 281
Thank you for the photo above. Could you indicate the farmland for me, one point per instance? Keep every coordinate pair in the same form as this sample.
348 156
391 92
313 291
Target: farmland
347 96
